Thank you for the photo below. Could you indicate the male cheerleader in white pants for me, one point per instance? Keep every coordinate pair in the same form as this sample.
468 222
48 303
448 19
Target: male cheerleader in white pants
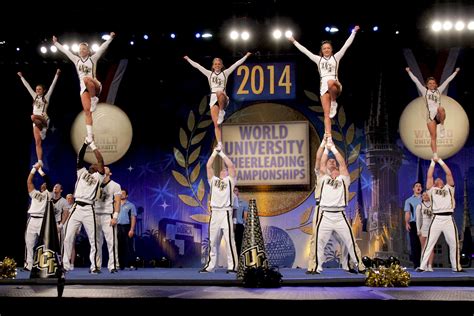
39 203
317 213
222 189
107 208
443 204
334 196
82 212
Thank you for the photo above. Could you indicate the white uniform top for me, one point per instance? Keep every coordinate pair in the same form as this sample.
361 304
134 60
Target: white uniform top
222 193
442 199
40 103
334 193
39 201
105 202
59 206
85 67
424 214
217 81
87 185
432 97
327 66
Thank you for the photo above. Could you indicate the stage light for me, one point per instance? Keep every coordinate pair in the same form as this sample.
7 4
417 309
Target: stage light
470 26
459 26
198 35
75 47
95 47
206 35
106 37
18 49
436 26
66 46
53 49
132 43
145 37
447 25
327 29
245 35
288 34
333 30
397 32
375 28
276 34
234 35
172 35
42 50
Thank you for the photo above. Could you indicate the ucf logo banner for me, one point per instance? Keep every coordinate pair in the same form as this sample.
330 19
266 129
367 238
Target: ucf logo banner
47 258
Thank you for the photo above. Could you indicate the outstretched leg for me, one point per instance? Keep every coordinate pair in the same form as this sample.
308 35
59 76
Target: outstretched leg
432 130
217 127
38 125
326 103
86 106
38 146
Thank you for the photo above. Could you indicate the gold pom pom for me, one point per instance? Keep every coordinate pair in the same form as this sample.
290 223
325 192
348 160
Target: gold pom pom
395 276
7 269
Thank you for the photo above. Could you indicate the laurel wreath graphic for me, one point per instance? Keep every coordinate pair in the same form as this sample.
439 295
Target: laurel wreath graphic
350 151
187 156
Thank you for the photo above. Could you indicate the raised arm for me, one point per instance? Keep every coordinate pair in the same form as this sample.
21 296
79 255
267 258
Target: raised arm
239 62
429 175
53 84
27 85
348 43
449 174
421 88
319 155
98 156
324 159
444 85
80 156
229 164
305 51
66 52
103 47
210 162
204 71
29 181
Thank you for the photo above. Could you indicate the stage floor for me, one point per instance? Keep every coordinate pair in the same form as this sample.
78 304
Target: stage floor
154 288
190 276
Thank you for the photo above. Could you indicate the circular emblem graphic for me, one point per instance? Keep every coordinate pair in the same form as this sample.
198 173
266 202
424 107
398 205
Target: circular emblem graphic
112 133
416 137
279 247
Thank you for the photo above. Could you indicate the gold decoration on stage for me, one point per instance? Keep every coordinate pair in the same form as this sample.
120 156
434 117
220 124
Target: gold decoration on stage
394 276
8 268
187 156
